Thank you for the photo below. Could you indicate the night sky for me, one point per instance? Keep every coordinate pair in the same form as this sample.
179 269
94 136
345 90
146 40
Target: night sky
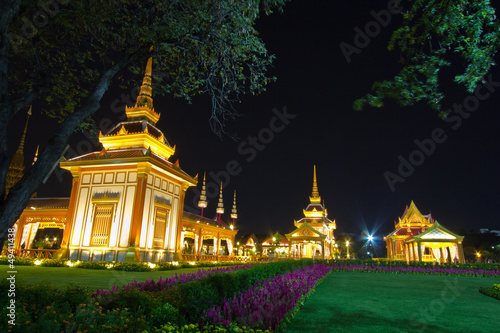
458 182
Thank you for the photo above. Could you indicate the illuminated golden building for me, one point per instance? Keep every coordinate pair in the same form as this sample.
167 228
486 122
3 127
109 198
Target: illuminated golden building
419 237
314 234
126 201
275 245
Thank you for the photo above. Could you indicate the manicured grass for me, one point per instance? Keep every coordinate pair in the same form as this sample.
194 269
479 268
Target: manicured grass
93 278
368 302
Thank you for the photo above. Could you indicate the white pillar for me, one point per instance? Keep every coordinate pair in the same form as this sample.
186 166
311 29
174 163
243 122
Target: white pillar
195 243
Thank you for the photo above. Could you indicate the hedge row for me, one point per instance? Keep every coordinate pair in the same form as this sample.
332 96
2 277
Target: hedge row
119 266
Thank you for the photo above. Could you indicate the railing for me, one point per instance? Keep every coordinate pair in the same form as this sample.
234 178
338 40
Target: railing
39 254
189 257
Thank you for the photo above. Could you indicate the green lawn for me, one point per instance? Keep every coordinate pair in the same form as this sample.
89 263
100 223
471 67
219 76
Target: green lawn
367 302
94 278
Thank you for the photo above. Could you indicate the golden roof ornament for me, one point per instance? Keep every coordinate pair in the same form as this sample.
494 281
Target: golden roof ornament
143 108
220 205
315 198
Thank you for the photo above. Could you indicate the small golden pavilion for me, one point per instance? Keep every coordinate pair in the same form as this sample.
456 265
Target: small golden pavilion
127 200
419 237
313 236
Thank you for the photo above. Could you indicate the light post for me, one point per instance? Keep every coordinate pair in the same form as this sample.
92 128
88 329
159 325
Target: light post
347 246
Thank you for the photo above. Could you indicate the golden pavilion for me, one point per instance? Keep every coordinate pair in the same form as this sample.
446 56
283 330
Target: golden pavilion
419 237
313 236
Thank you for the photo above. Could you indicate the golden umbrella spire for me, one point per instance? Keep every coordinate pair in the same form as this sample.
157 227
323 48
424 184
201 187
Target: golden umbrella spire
203 196
234 212
220 205
315 198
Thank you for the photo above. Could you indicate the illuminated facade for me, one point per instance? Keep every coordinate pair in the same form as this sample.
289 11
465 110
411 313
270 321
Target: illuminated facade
126 201
314 234
419 237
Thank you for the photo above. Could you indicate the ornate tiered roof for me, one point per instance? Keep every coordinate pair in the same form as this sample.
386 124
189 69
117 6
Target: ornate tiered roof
315 213
137 138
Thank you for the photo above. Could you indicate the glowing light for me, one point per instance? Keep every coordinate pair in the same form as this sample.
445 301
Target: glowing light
192 263
175 263
37 262
69 264
478 254
370 238
346 243
231 226
151 265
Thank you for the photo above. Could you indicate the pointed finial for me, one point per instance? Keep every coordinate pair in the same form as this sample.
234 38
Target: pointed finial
220 205
203 196
234 212
36 155
315 198
146 93
143 108
21 144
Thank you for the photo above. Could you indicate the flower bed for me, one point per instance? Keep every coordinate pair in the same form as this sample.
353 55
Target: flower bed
164 284
43 307
416 270
399 263
266 304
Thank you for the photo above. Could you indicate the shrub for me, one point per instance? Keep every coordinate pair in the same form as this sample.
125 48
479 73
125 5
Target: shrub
92 264
132 267
491 291
53 263
18 261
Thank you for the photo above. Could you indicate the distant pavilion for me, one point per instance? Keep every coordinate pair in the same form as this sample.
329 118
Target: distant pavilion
419 237
313 236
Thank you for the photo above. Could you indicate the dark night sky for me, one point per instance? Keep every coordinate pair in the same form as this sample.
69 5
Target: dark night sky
459 182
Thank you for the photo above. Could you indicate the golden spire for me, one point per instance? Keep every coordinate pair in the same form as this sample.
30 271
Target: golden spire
146 93
16 167
220 205
21 144
203 196
234 212
36 155
315 198
143 108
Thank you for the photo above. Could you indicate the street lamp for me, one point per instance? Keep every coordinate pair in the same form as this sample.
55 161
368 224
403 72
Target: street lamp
347 245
